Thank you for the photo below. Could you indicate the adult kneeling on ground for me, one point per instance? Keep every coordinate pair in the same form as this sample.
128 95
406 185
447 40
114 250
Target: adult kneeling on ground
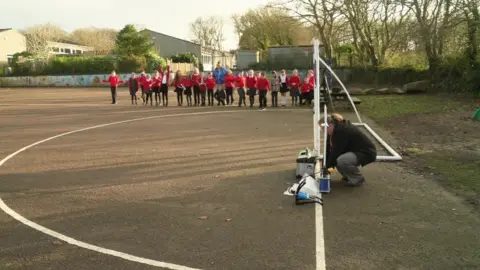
347 149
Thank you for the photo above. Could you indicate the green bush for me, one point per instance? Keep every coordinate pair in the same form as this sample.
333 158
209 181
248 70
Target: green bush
155 62
131 64
80 65
84 65
186 57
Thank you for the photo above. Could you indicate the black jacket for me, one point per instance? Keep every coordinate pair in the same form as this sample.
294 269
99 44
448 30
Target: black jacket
347 137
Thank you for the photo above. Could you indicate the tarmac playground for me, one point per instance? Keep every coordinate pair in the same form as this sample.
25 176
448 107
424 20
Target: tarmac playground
201 188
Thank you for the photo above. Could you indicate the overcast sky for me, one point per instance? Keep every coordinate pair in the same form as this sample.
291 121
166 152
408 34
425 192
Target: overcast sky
168 17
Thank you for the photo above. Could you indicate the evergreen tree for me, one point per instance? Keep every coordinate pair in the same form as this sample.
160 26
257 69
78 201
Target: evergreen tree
130 42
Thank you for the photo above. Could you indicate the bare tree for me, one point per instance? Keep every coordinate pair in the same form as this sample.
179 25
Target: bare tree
101 39
38 37
471 13
434 19
374 25
322 14
266 26
208 32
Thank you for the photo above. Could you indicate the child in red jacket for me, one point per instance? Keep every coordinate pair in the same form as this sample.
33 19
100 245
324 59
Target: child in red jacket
202 87
188 83
114 82
251 82
179 88
210 82
229 85
263 85
156 82
147 88
307 91
241 81
196 86
294 84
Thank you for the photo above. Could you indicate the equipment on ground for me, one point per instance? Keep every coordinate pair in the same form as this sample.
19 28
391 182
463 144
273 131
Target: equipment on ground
476 115
306 162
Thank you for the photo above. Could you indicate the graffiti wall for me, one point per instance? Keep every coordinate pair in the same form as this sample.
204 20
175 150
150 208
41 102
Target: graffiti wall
59 81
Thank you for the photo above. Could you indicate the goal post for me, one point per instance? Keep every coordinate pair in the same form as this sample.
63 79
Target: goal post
318 138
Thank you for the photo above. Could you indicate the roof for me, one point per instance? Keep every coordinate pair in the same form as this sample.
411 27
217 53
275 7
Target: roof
146 29
291 46
5 29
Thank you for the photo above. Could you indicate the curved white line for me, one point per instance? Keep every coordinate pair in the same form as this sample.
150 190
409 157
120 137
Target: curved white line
81 244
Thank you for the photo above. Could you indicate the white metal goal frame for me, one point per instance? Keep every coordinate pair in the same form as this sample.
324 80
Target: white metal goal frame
318 61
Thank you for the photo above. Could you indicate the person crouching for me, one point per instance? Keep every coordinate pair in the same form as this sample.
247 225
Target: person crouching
347 149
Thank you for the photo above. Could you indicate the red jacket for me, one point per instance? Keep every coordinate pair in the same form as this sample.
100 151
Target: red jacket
229 81
187 82
196 79
210 83
178 83
113 80
311 81
251 82
147 84
306 87
240 81
294 81
263 84
156 81
203 84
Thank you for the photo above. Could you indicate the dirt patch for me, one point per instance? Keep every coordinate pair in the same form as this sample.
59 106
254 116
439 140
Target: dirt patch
436 137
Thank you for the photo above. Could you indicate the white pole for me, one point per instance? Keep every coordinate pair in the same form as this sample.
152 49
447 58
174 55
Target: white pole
316 95
325 135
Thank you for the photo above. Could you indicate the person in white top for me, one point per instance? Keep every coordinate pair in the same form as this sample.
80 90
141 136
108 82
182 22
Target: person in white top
283 79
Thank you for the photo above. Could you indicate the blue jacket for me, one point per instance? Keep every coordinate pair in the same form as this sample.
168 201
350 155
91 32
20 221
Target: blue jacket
219 75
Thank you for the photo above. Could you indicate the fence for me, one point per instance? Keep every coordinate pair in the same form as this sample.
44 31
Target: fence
183 67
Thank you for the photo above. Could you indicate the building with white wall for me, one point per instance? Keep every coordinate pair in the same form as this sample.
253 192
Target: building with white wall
67 48
11 42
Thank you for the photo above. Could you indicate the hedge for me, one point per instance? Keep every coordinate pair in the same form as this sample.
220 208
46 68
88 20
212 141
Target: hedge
85 65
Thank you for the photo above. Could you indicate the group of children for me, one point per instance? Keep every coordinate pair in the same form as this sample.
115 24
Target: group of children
206 89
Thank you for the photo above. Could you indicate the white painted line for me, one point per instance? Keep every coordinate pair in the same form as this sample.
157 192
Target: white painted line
81 244
319 238
319 235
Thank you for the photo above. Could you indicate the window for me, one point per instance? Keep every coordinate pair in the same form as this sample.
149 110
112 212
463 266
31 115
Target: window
55 49
10 59
68 51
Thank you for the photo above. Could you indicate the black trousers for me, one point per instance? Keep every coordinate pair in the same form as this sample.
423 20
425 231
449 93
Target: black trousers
203 94
196 95
229 91
180 98
164 90
274 99
262 98
149 97
210 97
156 90
113 89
